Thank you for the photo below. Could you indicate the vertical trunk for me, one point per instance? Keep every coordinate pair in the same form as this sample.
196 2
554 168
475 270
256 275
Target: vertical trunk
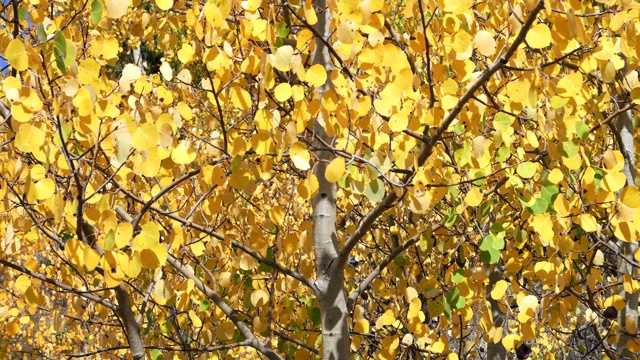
629 314
329 284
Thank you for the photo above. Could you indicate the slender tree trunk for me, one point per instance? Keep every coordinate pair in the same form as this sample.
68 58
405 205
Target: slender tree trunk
329 284
629 315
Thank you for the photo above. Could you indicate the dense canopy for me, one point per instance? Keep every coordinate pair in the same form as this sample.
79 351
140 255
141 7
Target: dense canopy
209 179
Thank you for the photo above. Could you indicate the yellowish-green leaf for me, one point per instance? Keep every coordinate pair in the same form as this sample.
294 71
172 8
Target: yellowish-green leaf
145 137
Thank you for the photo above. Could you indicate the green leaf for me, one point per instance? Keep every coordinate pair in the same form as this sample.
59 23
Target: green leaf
110 240
453 300
156 354
582 129
204 305
282 30
375 190
60 51
526 169
22 13
41 33
539 206
96 11
492 242
400 261
569 148
314 314
490 257
457 276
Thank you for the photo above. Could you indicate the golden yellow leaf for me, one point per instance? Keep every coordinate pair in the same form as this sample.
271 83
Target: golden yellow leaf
88 71
474 197
316 75
587 222
16 55
240 98
183 154
300 156
499 289
630 197
388 318
164 4
185 54
282 92
335 170
538 36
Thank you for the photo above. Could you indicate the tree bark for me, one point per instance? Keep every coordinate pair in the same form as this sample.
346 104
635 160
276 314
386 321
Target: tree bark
329 285
628 317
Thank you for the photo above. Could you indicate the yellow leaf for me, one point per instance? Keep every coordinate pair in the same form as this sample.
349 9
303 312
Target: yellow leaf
154 257
33 298
83 102
124 234
485 43
388 318
21 284
613 182
335 170
276 215
282 58
13 328
16 55
509 341
185 54
113 274
555 176
259 297
166 71
240 98
282 92
214 175
183 154
131 264
300 156
630 197
587 222
117 8
539 36
474 197
616 301
91 258
45 189
29 138
308 188
145 137
262 142
164 4
598 258
613 160
316 75
499 289
88 71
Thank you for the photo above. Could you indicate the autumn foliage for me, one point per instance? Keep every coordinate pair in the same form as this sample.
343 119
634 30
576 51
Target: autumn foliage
442 179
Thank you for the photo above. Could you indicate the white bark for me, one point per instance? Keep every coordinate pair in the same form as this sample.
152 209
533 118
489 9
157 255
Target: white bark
329 285
629 314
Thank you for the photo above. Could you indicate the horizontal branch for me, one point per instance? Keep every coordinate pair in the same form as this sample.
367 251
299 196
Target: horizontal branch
65 287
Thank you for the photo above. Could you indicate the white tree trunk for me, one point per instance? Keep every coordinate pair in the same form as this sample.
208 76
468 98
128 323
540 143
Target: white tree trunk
329 284
629 314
